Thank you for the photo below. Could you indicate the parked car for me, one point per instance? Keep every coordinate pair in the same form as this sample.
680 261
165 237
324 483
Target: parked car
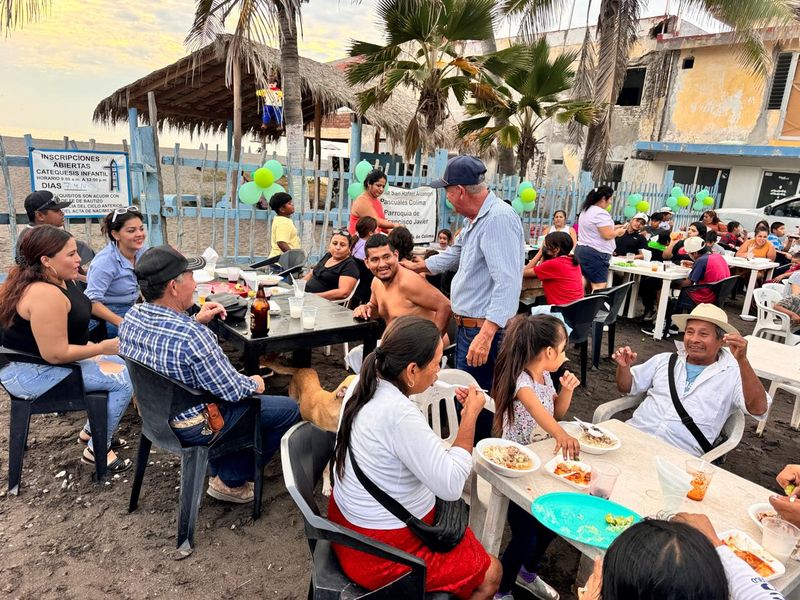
786 210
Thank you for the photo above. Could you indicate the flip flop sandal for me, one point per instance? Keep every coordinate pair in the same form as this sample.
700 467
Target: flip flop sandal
117 466
117 443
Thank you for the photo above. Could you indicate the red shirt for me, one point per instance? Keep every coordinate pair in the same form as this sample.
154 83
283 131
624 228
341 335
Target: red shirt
709 268
561 279
377 207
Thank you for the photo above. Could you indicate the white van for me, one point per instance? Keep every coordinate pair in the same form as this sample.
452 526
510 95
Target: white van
787 211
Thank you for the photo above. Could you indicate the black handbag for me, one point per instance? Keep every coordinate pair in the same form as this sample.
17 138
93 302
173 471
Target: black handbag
450 523
235 306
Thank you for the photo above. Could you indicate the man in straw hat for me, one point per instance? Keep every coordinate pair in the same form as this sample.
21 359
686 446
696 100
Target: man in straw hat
711 381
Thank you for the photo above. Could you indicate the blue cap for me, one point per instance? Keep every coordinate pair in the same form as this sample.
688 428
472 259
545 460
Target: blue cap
461 170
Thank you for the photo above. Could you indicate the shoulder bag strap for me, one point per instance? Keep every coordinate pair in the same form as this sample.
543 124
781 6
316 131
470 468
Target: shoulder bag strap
384 499
686 419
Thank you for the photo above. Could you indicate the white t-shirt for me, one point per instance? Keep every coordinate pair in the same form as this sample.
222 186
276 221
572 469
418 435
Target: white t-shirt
399 452
588 234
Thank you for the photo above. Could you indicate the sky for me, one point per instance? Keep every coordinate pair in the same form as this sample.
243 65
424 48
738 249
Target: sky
55 71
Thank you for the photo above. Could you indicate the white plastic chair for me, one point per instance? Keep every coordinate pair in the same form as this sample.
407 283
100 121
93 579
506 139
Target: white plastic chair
343 302
794 423
771 323
733 427
778 287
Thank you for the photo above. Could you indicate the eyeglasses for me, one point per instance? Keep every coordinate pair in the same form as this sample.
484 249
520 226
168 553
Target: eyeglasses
126 209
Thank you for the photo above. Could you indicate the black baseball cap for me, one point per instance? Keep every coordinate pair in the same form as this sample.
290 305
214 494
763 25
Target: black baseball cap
279 200
461 170
162 263
44 200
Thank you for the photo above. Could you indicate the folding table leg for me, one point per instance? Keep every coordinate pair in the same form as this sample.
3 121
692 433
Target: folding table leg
748 297
491 535
661 313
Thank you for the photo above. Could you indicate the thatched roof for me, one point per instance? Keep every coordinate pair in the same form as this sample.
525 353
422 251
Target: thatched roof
192 95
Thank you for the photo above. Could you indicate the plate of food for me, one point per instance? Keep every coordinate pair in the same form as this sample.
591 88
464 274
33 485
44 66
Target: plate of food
761 561
508 458
592 444
587 519
572 472
760 511
268 279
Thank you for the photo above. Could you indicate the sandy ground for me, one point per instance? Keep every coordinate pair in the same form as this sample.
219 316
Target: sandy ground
69 538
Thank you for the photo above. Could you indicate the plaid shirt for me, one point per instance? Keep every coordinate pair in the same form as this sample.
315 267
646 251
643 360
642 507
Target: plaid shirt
175 344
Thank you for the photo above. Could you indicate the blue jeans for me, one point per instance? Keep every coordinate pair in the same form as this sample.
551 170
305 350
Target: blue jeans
30 381
484 374
118 309
278 414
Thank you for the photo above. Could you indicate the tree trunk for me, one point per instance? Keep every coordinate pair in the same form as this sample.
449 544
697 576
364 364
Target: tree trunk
293 115
505 156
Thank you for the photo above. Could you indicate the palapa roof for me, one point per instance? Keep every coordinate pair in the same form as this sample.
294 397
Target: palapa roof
192 95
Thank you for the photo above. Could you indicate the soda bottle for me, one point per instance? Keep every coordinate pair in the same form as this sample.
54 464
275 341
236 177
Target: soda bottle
259 314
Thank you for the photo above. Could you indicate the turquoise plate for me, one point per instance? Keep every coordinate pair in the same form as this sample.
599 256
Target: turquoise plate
580 517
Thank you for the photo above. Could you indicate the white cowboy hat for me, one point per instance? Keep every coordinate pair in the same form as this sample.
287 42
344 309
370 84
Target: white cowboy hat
705 312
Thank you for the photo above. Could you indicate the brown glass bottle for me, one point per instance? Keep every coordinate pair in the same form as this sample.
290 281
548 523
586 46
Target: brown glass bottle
259 314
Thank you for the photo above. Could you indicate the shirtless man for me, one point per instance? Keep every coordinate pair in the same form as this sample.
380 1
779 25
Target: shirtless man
397 291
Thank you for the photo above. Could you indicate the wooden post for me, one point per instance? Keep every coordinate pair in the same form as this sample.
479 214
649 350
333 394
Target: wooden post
155 188
377 140
237 127
12 211
317 150
133 155
355 142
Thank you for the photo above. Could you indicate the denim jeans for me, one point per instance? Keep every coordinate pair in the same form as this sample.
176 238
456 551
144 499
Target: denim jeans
118 309
484 374
30 381
278 414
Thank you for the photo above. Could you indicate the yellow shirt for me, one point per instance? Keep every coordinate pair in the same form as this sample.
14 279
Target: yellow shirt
283 230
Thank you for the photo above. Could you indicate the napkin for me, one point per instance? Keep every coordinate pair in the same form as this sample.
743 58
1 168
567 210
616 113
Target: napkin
675 484
211 259
250 278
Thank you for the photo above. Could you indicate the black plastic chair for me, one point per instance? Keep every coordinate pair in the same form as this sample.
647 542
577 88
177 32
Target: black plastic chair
305 452
66 396
723 289
158 398
608 317
580 316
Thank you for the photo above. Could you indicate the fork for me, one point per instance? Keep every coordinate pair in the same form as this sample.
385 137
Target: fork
589 428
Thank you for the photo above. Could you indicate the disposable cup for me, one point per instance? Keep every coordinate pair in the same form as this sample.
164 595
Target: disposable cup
701 473
203 290
779 538
299 288
309 317
647 255
295 308
674 482
604 476
233 274
630 256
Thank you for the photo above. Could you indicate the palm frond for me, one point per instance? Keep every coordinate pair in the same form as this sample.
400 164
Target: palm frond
583 85
16 13
469 20
535 16
470 125
209 22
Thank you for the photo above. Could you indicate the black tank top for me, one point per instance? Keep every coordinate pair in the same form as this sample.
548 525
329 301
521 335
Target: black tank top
20 336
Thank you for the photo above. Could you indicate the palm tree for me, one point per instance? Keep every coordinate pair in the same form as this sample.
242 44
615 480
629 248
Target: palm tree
529 98
616 34
425 53
16 13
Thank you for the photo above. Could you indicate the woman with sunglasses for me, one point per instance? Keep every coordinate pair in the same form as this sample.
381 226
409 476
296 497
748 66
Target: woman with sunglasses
336 274
111 281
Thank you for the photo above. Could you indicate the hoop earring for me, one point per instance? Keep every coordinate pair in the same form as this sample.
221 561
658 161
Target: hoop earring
411 384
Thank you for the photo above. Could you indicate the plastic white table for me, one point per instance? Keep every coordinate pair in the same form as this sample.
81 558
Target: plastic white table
754 266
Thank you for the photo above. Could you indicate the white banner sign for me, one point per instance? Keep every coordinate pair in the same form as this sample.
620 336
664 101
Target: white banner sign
415 209
95 182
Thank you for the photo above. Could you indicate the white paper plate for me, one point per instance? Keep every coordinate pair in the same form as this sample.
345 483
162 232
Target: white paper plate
278 291
744 542
485 443
202 276
550 469
759 507
269 279
575 431
221 272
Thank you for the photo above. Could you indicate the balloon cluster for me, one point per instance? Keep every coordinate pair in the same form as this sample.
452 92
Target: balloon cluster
355 189
635 204
526 198
702 201
677 199
264 179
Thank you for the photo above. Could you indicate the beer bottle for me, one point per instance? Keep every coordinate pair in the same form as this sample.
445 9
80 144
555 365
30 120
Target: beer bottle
259 314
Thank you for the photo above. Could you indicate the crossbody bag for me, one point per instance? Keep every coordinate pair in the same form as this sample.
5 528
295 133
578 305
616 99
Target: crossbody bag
449 525
686 418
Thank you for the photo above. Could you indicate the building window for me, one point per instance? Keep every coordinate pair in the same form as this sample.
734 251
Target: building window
615 172
777 185
632 87
779 81
688 63
558 161
696 178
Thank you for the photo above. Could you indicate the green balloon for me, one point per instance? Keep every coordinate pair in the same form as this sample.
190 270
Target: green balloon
528 206
272 190
275 168
448 204
708 201
249 193
263 177
672 202
528 195
676 192
354 190
517 205
610 208
632 200
701 195
525 185
643 207
698 205
629 211
684 201
362 170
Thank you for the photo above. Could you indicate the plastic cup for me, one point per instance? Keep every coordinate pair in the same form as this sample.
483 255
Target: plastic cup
309 317
656 267
233 274
203 290
779 538
299 288
604 476
296 308
701 473
630 256
647 255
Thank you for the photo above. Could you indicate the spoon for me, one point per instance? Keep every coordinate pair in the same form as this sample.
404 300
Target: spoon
453 386
589 428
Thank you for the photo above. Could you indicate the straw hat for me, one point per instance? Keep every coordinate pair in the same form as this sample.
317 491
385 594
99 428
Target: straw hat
705 312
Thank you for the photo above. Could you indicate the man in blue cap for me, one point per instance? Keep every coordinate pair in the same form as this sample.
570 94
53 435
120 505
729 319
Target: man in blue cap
488 259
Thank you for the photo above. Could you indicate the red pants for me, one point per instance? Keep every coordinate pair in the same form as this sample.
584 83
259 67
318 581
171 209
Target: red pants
458 572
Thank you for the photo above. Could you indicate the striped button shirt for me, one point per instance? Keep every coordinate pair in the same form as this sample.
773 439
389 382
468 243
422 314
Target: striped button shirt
174 344
488 256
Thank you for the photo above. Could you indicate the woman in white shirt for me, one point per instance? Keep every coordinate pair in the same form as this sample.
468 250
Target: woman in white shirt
596 237
397 450
560 224
679 558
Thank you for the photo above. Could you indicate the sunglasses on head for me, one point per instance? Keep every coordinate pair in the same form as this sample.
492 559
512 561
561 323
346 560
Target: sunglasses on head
50 204
343 232
122 211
